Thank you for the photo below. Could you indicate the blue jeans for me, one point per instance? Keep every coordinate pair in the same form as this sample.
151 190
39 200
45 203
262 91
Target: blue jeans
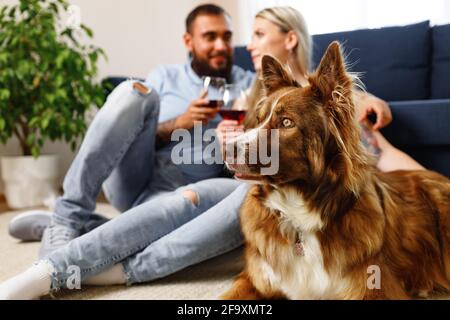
118 153
160 236
160 231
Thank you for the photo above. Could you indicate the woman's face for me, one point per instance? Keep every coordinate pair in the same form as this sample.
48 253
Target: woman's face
267 38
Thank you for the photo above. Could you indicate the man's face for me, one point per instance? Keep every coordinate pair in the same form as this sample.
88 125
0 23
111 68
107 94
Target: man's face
210 43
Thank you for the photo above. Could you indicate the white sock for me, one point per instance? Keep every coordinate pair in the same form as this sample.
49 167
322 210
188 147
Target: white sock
30 284
112 276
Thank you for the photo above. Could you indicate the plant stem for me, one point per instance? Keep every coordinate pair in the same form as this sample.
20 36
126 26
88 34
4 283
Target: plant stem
26 149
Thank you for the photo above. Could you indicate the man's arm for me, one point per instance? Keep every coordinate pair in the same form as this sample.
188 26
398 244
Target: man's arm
164 132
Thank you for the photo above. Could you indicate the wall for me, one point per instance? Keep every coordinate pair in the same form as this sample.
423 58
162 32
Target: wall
136 35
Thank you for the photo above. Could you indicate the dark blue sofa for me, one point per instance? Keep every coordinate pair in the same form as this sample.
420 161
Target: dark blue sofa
409 67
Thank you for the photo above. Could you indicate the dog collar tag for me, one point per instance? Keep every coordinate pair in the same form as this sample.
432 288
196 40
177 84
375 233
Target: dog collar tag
299 248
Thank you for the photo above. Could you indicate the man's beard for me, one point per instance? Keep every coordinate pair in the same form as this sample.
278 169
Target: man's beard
202 68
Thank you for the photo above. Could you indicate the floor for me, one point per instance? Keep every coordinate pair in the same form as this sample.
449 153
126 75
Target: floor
205 281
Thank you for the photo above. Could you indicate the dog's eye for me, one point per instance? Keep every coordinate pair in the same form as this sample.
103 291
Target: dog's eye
288 123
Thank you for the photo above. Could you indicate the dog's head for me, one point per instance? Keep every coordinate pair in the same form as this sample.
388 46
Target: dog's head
315 124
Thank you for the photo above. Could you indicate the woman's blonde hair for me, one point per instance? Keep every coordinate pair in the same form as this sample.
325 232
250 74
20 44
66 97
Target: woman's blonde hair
289 19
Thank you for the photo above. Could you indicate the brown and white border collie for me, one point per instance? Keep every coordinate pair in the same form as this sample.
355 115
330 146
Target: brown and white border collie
328 221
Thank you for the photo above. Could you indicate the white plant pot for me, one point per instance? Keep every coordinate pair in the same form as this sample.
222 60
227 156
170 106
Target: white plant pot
29 181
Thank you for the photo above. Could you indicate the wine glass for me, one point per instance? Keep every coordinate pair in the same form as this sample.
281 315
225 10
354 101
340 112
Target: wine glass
235 103
215 88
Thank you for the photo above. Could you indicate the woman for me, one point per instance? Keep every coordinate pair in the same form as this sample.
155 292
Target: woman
280 32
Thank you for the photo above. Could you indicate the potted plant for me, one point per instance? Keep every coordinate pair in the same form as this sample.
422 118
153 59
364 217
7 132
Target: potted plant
47 84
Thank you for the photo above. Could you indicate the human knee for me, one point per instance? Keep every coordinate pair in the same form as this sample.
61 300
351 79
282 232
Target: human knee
152 103
191 196
129 94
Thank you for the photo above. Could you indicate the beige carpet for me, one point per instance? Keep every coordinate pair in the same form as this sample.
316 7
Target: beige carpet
207 280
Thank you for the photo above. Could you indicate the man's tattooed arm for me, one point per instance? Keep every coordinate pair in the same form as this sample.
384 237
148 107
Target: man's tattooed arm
164 132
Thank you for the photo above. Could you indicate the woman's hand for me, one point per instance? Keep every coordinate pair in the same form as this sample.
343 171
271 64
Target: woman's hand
368 104
226 131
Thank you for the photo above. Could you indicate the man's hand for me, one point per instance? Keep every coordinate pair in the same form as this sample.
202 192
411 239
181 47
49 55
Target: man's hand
368 104
198 111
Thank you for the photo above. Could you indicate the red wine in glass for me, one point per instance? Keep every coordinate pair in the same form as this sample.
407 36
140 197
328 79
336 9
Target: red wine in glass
214 103
236 115
214 87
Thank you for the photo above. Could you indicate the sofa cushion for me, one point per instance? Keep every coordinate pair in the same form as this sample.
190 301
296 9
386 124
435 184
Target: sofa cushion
394 60
243 59
420 128
419 123
440 62
436 158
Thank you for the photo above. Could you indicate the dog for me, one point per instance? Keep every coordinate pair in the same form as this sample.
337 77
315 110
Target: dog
328 224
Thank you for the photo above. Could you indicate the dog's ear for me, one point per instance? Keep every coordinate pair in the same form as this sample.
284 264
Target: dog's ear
274 76
331 75
333 87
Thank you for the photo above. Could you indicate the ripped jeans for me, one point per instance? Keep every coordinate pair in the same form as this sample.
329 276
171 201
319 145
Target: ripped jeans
160 236
160 231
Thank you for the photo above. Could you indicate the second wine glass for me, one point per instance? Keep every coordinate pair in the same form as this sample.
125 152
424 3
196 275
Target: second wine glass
234 103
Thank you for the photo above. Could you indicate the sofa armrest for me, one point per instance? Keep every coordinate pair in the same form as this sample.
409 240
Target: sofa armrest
114 81
419 123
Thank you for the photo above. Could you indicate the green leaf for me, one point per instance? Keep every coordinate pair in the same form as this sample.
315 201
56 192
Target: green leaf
54 8
35 151
12 12
4 94
87 30
50 98
98 101
59 79
61 93
4 57
62 56
93 56
3 11
23 6
31 138
45 122
34 121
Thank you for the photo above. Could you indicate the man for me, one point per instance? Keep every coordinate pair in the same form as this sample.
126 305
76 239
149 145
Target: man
127 147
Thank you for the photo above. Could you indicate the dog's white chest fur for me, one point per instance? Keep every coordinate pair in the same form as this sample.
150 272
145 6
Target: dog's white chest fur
305 276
